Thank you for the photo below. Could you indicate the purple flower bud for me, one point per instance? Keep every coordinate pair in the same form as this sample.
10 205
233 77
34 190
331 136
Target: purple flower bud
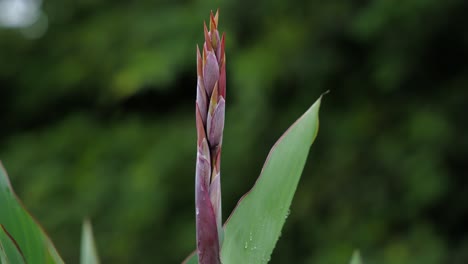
210 107
210 72
215 124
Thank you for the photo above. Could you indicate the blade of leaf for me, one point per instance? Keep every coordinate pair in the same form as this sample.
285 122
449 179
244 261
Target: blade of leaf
254 227
35 245
88 247
356 258
9 251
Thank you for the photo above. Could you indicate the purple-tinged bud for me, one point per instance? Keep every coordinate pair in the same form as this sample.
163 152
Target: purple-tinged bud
210 72
215 124
210 108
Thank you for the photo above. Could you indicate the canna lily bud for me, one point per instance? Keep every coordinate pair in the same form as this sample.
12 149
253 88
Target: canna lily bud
209 111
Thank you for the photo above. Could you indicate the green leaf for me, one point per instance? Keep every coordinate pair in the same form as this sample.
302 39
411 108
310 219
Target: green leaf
9 251
31 239
88 247
356 258
254 227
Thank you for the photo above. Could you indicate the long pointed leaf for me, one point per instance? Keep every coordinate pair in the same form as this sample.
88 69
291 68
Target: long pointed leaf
35 245
254 227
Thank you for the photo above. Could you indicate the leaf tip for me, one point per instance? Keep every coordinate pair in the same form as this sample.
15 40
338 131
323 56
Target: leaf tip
319 100
315 109
89 253
356 258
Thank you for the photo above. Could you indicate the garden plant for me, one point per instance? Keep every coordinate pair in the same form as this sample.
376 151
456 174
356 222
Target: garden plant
251 231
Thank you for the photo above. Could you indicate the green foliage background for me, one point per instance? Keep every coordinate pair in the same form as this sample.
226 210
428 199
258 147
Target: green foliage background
97 120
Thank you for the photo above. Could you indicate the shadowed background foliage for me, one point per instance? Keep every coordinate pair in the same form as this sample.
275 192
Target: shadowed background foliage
97 119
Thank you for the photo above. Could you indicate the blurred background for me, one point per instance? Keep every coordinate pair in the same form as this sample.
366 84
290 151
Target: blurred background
97 120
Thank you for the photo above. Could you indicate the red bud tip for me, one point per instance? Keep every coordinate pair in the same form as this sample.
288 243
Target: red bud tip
207 38
216 17
213 23
222 56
